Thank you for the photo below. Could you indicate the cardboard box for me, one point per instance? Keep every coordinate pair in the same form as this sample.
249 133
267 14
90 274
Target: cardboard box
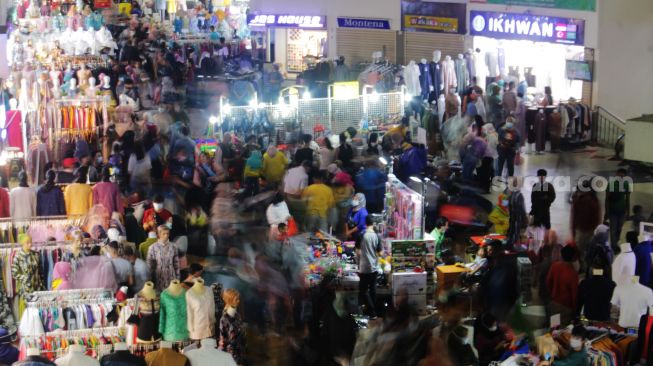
413 283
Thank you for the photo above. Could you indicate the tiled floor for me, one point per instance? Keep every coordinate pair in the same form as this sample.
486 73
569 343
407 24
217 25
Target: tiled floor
574 164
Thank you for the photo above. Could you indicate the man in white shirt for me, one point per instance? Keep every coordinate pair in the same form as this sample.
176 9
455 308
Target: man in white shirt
296 179
139 269
633 300
122 267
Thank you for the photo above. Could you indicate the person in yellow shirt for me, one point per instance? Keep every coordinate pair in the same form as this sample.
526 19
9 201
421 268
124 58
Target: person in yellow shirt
500 217
79 195
274 166
319 200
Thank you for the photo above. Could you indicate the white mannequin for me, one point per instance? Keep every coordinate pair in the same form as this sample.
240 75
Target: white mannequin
91 90
106 82
55 74
449 80
633 300
209 354
492 63
175 288
411 76
437 55
623 267
76 357
461 56
56 88
198 287
72 88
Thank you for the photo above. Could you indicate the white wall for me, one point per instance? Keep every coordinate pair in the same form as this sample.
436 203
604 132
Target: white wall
624 59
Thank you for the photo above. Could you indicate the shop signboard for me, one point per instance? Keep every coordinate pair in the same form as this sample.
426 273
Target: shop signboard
286 21
101 4
527 27
363 23
424 16
587 5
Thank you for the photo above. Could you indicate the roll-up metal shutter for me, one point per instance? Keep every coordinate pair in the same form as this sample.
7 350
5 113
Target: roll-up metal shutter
357 45
420 45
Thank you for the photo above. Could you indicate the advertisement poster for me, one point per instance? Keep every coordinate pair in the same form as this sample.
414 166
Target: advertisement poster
421 16
587 5
528 27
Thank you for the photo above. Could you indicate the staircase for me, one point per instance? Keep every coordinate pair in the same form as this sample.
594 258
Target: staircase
607 128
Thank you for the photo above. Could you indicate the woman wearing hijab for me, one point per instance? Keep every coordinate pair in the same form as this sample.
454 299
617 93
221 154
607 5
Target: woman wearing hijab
253 168
356 226
49 198
61 276
274 166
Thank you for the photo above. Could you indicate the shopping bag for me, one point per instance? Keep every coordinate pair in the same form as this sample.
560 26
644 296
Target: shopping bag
518 159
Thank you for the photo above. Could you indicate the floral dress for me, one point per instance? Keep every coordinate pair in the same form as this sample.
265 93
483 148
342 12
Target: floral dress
232 336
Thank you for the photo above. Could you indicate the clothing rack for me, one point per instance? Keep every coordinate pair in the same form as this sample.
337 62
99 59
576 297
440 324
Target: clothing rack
86 293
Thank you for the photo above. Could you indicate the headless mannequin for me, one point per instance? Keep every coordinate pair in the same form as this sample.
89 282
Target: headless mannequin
449 80
411 76
198 287
83 74
175 288
148 292
623 266
73 89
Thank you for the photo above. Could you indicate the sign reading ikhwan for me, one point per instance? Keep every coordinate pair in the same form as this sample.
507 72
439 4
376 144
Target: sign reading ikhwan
527 27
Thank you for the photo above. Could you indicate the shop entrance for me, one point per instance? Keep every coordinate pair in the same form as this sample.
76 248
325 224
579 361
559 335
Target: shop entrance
540 64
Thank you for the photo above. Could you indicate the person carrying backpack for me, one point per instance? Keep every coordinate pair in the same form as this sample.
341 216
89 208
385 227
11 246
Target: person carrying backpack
508 145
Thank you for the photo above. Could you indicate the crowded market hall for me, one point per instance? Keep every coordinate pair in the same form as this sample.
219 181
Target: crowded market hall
287 182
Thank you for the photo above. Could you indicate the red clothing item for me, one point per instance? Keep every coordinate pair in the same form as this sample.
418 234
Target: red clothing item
562 282
150 218
4 203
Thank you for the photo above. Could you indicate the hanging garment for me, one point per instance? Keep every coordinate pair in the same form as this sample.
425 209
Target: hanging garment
200 313
172 322
491 63
13 124
166 357
449 75
471 66
26 271
461 76
50 201
425 80
22 203
555 129
411 77
436 79
540 132
163 262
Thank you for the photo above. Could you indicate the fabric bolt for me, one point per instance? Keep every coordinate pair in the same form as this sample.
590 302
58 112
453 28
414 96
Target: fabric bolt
163 262
50 202
172 320
166 357
79 199
22 203
200 313
108 195
232 336
633 301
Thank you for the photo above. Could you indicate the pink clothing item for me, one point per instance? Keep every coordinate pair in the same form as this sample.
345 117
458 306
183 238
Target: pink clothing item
107 194
62 271
95 272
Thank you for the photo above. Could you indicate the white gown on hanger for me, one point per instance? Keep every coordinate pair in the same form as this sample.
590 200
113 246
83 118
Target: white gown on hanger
411 76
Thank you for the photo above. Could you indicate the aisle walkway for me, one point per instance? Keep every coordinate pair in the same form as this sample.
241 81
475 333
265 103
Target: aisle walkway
575 164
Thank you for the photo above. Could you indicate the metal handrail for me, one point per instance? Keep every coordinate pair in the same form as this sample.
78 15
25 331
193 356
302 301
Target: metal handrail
607 128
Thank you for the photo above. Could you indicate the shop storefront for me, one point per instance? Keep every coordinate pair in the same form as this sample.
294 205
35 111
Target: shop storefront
431 26
358 38
289 39
540 50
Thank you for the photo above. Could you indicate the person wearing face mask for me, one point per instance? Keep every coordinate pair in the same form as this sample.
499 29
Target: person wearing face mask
490 340
460 350
156 215
577 353
356 218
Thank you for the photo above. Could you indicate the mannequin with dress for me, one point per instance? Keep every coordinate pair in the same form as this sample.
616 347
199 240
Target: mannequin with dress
449 80
461 74
148 308
91 90
425 79
232 336
411 77
173 323
436 77
83 74
26 270
200 311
